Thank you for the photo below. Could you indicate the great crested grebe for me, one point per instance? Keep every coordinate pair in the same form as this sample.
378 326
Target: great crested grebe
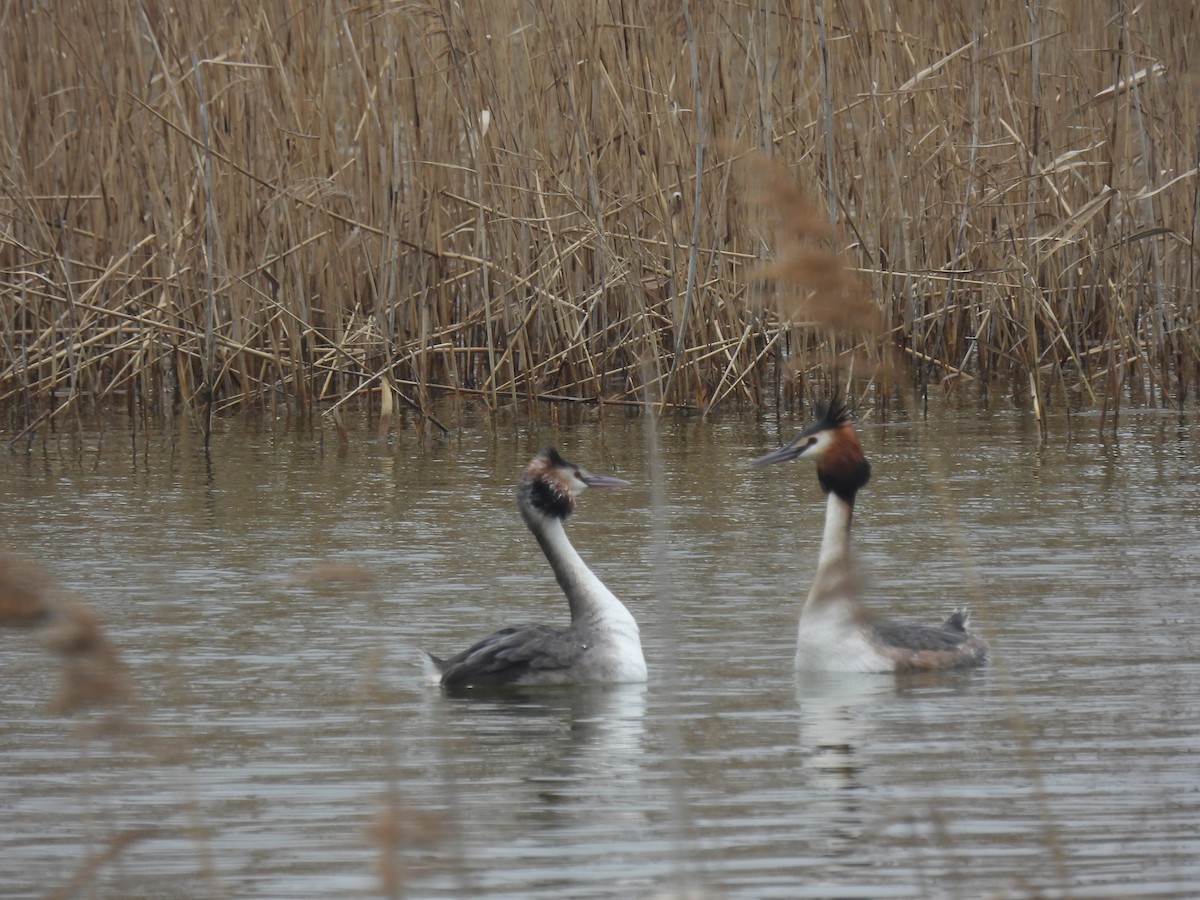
836 634
601 645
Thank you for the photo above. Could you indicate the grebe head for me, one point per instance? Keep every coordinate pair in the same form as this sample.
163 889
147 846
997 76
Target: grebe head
549 485
832 443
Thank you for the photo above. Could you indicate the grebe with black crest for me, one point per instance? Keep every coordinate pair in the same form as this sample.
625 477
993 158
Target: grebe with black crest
602 645
836 634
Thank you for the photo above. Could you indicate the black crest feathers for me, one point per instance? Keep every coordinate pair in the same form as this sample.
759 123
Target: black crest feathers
831 413
541 488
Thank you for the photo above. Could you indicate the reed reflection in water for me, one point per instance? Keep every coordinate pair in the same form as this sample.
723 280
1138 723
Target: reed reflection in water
269 603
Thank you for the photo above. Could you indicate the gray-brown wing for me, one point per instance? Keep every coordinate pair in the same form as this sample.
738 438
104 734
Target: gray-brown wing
921 647
911 636
512 655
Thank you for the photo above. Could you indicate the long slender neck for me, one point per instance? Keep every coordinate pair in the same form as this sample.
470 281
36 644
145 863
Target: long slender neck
833 583
586 594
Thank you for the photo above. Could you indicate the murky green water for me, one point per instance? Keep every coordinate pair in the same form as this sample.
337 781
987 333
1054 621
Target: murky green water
282 712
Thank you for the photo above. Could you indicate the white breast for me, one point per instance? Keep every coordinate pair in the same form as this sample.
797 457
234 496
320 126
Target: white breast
831 640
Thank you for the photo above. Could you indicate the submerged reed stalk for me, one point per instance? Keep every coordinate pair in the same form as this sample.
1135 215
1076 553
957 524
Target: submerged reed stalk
284 208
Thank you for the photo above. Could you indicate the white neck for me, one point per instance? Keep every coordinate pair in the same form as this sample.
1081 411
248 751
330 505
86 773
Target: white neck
832 584
591 602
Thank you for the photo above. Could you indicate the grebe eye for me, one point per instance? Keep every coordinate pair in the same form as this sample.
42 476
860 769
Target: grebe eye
579 475
812 441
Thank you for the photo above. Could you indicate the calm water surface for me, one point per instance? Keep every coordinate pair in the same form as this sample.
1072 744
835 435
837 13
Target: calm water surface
281 712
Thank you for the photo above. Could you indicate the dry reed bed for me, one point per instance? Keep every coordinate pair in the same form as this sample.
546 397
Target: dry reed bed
284 204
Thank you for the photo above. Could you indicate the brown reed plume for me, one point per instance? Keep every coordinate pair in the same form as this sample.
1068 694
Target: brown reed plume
24 593
92 676
809 283
814 284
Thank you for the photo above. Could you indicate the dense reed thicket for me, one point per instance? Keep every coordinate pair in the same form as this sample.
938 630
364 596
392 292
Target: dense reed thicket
290 205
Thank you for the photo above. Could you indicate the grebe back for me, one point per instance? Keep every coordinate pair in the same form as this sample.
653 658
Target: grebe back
835 633
601 645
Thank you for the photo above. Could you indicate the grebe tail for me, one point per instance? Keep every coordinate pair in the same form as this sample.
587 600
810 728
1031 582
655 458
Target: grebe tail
601 645
835 632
